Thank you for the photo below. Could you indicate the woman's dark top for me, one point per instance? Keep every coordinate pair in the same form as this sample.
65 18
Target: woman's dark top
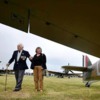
39 61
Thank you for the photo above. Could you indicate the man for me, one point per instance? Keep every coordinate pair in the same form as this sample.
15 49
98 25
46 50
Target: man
19 56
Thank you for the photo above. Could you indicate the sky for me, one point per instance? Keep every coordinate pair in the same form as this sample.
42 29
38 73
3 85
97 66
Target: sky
57 55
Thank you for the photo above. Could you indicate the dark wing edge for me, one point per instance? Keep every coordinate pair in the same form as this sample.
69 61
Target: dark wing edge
80 68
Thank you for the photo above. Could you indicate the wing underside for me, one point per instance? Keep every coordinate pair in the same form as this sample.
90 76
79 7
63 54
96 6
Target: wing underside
83 69
54 72
69 23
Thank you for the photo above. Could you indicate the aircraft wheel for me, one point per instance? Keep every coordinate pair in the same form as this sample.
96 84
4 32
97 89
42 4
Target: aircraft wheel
87 84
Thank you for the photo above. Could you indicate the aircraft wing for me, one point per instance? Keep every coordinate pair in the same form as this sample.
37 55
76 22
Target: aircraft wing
14 16
61 73
4 71
54 72
72 23
83 69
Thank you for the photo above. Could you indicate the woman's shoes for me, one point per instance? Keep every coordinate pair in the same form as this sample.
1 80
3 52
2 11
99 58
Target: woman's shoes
41 90
38 90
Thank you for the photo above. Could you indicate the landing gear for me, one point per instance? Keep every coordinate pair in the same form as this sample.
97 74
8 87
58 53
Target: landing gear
87 84
60 76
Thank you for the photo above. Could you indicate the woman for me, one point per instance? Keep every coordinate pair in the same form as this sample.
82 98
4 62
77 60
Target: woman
38 65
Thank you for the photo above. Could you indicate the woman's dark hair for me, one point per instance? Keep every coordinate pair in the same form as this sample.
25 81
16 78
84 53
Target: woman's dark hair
37 49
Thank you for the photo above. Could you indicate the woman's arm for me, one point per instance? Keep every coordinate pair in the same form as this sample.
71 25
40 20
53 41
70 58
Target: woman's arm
44 61
32 63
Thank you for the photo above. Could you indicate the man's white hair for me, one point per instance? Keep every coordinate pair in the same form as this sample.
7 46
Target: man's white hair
20 44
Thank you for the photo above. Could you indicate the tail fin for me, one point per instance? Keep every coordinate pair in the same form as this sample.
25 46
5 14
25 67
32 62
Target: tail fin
86 61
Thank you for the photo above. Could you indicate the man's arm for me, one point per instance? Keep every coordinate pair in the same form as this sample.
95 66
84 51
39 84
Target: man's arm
29 56
11 60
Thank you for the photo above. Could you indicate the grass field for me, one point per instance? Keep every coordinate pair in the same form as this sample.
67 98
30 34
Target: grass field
54 89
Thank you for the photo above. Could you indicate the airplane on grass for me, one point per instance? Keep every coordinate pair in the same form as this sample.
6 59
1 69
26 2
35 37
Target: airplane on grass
91 72
65 73
4 71
58 74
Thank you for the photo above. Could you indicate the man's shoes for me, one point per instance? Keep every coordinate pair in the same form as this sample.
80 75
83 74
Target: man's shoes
16 90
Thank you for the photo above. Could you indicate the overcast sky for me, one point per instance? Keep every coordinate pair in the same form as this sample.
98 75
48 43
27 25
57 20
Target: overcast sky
57 54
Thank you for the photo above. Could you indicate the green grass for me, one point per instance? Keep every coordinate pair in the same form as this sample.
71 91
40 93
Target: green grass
54 89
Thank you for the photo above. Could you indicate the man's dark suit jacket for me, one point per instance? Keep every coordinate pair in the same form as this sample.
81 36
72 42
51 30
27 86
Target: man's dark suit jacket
20 64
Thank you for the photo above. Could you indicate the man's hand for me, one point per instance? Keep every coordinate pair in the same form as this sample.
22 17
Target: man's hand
30 57
7 64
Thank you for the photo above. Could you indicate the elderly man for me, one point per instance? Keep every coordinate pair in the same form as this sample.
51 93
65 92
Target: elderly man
19 56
